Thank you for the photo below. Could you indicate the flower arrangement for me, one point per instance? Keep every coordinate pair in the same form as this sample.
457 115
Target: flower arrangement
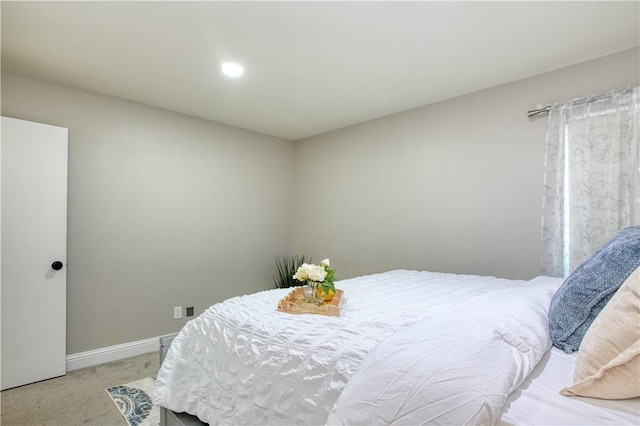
321 274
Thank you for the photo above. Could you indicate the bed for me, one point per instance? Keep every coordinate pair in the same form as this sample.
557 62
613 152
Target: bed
410 347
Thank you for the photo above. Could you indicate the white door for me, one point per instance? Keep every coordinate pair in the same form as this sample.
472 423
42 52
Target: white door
34 237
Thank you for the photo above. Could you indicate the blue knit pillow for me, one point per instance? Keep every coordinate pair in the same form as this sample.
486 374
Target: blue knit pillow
588 289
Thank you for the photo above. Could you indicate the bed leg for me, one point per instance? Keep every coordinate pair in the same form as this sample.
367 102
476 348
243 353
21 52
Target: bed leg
165 343
163 416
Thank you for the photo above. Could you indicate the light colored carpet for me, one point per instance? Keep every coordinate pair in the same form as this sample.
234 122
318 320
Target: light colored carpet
79 398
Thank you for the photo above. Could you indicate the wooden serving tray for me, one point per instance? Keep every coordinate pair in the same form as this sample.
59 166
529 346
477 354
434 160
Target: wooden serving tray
294 303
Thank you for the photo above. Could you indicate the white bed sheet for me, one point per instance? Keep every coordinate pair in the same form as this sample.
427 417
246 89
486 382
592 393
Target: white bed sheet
538 400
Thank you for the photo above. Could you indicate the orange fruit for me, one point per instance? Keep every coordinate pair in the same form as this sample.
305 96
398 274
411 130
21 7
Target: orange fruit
327 297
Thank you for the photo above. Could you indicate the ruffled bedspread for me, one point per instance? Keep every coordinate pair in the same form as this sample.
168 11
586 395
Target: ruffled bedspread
243 362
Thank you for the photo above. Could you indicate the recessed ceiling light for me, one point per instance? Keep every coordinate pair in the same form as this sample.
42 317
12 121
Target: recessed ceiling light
232 69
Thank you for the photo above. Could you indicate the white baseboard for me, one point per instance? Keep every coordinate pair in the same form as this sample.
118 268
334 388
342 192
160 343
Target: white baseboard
112 353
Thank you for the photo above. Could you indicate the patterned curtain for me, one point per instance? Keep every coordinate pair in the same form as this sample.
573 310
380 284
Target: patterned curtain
592 183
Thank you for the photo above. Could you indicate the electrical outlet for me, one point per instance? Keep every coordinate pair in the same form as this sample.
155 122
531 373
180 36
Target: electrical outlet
189 311
177 312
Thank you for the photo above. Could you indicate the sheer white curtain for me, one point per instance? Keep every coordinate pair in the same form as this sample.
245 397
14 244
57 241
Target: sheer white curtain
592 183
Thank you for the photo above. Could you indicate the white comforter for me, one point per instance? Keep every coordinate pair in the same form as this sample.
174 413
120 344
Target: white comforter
456 367
242 362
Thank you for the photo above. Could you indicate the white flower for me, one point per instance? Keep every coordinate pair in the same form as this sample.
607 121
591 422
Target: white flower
325 263
307 272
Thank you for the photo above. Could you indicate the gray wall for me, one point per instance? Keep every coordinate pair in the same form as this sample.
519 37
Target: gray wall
453 187
168 210
164 210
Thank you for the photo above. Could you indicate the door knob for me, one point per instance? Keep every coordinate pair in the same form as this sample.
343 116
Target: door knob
57 265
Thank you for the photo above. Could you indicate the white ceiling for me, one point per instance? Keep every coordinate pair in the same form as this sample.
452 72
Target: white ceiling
310 67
